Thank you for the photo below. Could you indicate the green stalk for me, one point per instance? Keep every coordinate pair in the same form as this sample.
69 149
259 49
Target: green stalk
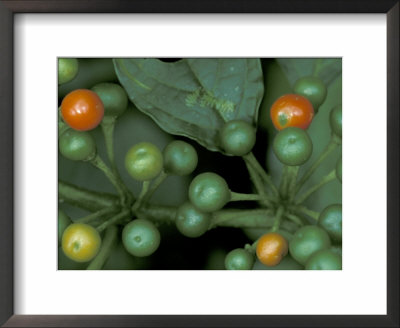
294 218
317 66
143 192
114 220
284 181
255 178
326 179
84 198
98 162
252 160
292 179
107 126
95 215
156 183
278 219
109 240
235 197
302 209
330 147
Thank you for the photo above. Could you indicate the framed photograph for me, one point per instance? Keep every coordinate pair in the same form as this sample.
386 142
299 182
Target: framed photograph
194 163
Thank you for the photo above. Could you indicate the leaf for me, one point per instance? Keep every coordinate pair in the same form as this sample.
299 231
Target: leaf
327 69
194 97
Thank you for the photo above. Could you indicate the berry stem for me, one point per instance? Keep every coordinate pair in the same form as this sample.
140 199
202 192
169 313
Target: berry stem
302 209
284 181
252 160
98 162
107 126
317 66
294 218
114 220
235 197
293 172
278 219
143 193
109 240
84 198
156 183
326 179
330 147
95 215
255 178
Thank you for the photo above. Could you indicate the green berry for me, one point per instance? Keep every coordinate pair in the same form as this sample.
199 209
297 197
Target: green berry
144 161
141 237
306 241
239 259
313 89
238 137
191 222
330 220
114 98
67 69
335 120
180 158
77 145
209 192
292 146
324 260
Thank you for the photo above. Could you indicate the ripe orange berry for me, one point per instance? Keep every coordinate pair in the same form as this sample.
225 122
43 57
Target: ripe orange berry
292 110
271 248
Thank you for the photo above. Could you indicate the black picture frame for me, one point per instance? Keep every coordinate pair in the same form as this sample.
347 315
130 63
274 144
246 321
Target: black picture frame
10 7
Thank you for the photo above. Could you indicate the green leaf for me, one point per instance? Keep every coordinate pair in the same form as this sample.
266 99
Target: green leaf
194 97
327 69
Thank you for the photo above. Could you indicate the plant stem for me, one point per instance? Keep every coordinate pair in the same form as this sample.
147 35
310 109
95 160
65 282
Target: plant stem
252 160
284 181
98 162
255 178
107 126
292 179
153 187
84 198
302 209
331 146
143 192
317 66
278 219
235 197
326 179
97 214
114 220
109 240
294 218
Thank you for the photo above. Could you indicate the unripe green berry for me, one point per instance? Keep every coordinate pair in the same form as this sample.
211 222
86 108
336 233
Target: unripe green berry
335 119
238 137
180 158
114 98
67 69
141 237
239 259
191 222
292 146
209 192
313 89
77 145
